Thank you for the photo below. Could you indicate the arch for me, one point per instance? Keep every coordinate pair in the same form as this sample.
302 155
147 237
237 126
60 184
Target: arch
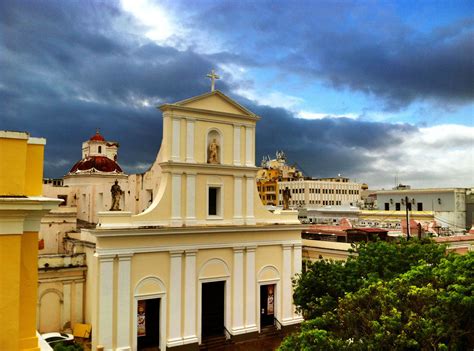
149 285
214 268
211 134
51 290
46 318
268 272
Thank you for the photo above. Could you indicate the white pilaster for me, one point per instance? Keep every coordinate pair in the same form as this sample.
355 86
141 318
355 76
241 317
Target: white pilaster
123 302
250 293
79 293
190 334
237 144
176 219
175 151
190 140
249 216
190 199
105 303
249 161
238 292
297 262
66 302
175 337
238 200
287 310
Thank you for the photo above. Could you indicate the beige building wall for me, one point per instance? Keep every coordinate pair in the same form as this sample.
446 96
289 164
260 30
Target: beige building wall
176 245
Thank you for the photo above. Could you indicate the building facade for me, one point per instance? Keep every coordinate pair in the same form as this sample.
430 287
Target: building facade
321 192
205 259
447 204
21 209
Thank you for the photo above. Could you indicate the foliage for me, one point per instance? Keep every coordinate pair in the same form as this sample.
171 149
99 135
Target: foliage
429 306
68 347
324 282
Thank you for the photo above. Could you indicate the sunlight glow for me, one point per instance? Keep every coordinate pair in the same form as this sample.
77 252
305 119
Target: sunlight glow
151 16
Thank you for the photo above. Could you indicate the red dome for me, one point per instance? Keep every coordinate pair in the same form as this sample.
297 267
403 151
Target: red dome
96 163
97 137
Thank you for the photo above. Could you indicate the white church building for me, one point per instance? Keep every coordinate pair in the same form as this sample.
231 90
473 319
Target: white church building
205 259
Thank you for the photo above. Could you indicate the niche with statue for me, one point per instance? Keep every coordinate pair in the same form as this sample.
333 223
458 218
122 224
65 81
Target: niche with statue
214 147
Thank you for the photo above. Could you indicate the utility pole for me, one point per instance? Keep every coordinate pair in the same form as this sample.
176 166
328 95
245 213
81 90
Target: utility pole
408 218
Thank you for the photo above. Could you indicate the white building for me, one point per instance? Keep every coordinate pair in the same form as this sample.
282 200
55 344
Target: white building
321 192
448 204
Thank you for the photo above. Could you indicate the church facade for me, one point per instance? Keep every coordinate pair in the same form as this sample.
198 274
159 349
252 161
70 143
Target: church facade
205 259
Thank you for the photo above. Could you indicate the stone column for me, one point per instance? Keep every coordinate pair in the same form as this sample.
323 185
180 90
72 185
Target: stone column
249 216
123 302
250 293
287 298
174 336
176 218
238 200
79 297
190 300
297 262
190 140
237 161
105 303
67 303
190 199
238 292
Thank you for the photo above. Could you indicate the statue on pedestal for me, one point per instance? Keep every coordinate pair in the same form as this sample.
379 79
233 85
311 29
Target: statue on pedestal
213 152
286 198
116 192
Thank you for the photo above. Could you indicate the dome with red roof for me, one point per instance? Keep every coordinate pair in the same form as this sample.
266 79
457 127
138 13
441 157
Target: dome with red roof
97 137
94 164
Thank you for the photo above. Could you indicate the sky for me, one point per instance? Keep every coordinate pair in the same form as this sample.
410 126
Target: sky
372 90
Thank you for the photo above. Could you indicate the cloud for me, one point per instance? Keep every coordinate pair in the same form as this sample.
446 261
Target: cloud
319 115
71 67
436 156
364 47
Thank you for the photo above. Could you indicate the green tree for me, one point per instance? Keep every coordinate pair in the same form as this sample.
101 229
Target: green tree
318 289
429 306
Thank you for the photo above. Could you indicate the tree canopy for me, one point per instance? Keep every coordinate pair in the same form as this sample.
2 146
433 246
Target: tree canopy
387 296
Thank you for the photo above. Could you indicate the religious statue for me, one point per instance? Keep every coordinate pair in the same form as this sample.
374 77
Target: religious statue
116 196
213 152
286 198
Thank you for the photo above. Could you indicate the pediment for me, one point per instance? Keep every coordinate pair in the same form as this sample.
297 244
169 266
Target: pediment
215 101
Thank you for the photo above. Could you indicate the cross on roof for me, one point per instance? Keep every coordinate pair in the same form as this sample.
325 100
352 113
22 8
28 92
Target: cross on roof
213 75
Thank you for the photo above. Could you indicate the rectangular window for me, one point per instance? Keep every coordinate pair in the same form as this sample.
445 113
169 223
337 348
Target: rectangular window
397 206
409 206
387 206
214 201
419 206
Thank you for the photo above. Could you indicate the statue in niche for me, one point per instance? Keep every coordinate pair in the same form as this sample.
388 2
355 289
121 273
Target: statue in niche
116 192
286 198
213 152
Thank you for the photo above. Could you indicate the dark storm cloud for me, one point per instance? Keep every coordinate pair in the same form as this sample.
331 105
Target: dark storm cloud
362 46
66 71
326 146
68 68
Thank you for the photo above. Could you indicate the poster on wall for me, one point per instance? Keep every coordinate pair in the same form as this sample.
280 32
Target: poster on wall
270 299
141 330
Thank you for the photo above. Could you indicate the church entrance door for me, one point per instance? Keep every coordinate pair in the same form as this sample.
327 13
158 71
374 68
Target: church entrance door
148 324
212 309
267 305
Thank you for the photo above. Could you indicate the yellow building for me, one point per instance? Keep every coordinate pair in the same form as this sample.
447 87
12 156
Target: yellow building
206 259
272 172
21 209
